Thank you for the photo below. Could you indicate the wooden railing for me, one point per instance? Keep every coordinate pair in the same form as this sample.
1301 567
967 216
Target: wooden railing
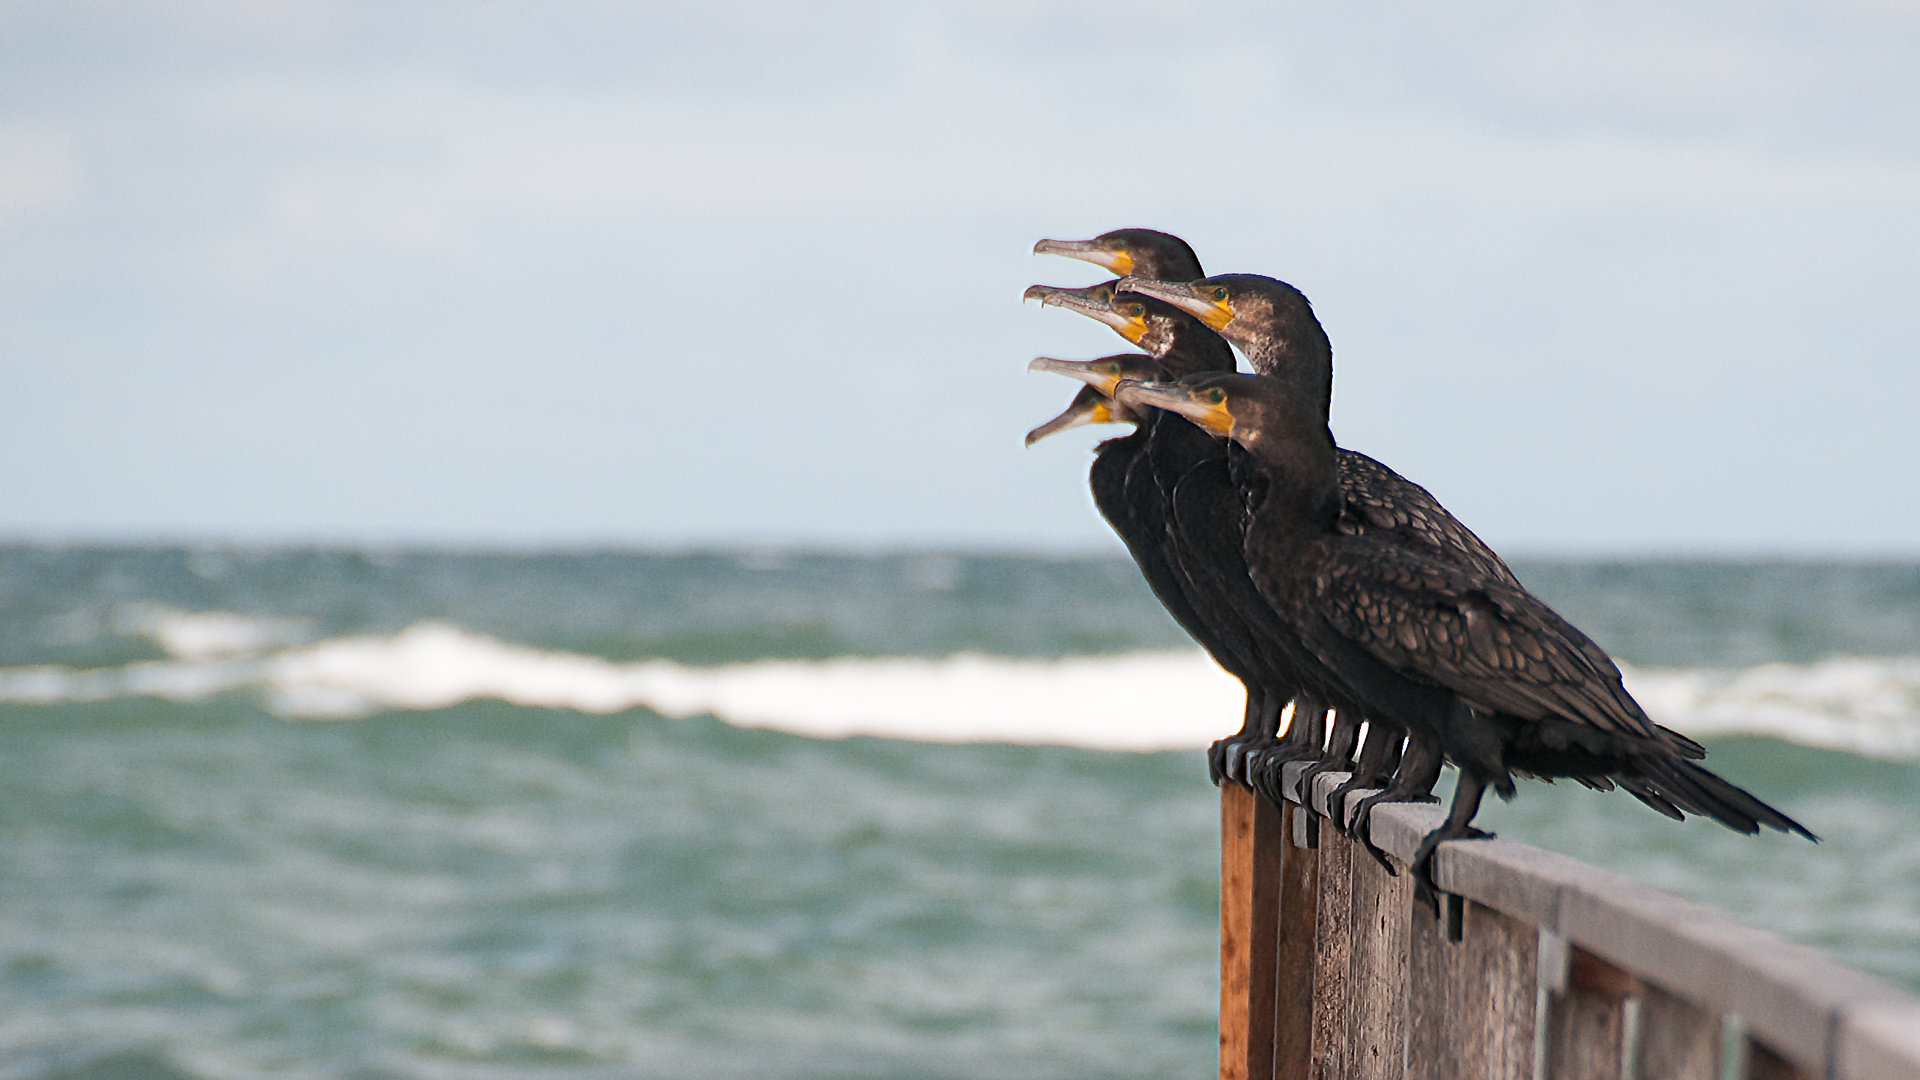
1540 967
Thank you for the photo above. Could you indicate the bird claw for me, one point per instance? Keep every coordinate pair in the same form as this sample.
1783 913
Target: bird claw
1425 889
1235 760
1216 771
1337 802
1263 768
1312 772
1426 894
1379 856
1360 832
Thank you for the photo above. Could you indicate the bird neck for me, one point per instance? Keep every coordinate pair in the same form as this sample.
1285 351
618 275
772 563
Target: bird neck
1307 373
1189 349
1298 480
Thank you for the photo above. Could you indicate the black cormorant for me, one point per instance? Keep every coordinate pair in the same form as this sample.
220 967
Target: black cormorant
1274 325
1502 683
1181 489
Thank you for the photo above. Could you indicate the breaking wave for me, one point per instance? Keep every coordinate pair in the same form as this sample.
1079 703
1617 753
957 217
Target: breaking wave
1136 701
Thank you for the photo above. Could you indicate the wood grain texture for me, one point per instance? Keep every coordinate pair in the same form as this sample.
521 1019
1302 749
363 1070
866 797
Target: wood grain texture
1299 907
1678 1039
1472 1002
1332 956
1250 861
1587 1027
1380 920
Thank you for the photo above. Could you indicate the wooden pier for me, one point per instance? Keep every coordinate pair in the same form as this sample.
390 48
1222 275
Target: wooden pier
1541 968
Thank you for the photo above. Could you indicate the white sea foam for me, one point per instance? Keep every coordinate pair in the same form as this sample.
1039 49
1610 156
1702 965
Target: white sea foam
1139 701
1143 701
1869 705
207 635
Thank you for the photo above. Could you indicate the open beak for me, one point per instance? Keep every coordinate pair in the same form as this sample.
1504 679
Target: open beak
1089 406
1094 301
1117 263
1101 381
1173 397
1215 313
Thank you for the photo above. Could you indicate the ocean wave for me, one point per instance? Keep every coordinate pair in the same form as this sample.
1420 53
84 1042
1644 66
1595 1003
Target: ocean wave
1136 701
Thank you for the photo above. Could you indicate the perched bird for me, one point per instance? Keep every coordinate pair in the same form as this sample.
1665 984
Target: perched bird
1125 494
1274 325
1469 660
1180 489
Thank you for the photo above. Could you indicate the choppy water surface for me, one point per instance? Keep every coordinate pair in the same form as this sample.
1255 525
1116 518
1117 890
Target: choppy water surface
415 814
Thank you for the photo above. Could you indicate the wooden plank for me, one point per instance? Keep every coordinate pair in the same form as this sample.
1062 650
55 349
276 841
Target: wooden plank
1694 965
1299 906
1764 1063
1786 993
1432 969
1380 921
1677 1040
1789 994
1587 1028
1879 1042
1249 921
1472 1002
1332 955
1506 957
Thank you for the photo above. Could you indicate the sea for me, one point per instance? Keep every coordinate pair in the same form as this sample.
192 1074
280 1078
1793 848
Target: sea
390 813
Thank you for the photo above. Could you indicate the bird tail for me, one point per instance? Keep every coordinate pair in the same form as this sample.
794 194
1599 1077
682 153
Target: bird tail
1683 785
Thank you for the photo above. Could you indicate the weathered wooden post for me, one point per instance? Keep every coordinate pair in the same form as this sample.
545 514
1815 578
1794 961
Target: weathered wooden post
1299 892
1250 860
1329 972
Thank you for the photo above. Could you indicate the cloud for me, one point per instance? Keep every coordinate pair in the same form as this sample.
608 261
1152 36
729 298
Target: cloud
393 220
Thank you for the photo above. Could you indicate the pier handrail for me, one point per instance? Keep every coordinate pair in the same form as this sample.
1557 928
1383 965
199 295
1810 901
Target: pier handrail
1542 968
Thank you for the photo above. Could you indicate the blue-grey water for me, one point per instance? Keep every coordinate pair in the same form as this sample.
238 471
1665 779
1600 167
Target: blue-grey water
258 822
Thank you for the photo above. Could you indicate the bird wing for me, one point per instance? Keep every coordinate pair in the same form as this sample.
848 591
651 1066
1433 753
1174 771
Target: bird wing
1495 645
1377 499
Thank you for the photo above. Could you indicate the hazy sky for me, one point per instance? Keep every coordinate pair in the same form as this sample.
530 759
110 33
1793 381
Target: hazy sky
1606 277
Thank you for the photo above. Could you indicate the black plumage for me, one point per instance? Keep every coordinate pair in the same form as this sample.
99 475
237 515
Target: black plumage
1469 660
1181 489
1275 326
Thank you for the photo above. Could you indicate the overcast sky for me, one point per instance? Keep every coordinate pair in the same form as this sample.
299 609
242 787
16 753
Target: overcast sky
1621 277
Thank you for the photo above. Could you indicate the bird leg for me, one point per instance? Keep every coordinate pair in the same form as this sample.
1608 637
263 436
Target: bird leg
1266 736
1306 730
1230 758
1338 756
1419 769
1466 803
1379 756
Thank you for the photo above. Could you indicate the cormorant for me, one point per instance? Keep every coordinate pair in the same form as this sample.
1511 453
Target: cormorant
1503 684
1181 489
1274 325
1137 514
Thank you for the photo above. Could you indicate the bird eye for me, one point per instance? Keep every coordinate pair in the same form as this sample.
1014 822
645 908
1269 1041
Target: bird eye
1220 293
1119 244
1216 395
1136 310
